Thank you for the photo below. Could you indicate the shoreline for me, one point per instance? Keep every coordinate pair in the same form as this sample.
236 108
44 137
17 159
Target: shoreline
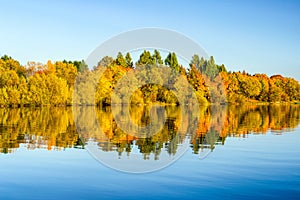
149 104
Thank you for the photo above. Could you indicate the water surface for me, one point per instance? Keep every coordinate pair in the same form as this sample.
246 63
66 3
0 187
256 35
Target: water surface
237 152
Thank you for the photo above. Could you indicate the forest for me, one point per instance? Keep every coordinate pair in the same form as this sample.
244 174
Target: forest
53 83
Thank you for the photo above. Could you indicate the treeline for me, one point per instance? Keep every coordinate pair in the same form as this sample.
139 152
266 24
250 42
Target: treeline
37 84
40 84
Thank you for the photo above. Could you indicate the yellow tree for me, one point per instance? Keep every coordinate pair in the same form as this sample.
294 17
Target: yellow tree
57 90
67 71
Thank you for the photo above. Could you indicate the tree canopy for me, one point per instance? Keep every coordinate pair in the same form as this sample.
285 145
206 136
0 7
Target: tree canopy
53 83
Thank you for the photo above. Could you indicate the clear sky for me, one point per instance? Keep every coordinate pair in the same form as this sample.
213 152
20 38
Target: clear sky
256 36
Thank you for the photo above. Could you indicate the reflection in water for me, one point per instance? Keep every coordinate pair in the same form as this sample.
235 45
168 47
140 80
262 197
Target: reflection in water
49 128
54 128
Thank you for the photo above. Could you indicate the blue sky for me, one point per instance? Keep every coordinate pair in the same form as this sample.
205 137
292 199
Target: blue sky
258 36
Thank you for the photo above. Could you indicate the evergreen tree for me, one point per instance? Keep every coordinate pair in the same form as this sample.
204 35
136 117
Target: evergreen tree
120 60
157 57
195 61
211 68
202 65
128 59
82 67
172 61
145 59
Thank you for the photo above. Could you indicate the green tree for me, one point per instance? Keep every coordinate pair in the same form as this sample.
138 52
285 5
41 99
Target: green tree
211 68
157 57
82 67
128 59
145 59
196 62
199 63
172 62
222 68
120 60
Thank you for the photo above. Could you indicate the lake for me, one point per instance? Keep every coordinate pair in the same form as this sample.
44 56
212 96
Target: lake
150 152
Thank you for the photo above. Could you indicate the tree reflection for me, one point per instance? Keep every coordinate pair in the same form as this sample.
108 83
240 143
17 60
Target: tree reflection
49 128
54 128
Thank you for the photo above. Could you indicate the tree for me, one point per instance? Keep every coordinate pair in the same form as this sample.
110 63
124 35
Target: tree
172 61
128 59
37 90
10 64
3 97
13 96
82 67
47 89
264 81
222 68
57 90
200 63
53 84
120 60
105 62
197 82
23 89
157 57
196 62
292 88
145 59
274 92
250 86
66 71
211 68
5 57
234 95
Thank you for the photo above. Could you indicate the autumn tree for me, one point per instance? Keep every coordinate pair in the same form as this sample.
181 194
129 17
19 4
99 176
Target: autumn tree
105 62
50 83
8 63
265 88
198 83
